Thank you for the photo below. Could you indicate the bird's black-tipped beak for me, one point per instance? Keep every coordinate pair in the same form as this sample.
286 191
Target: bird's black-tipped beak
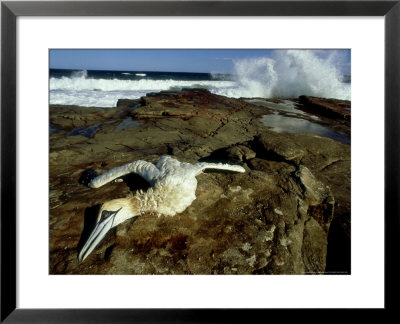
101 229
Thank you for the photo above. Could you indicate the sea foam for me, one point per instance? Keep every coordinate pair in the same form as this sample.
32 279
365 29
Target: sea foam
286 74
81 82
83 91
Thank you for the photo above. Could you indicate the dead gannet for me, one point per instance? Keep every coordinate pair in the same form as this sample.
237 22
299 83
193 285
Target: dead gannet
173 187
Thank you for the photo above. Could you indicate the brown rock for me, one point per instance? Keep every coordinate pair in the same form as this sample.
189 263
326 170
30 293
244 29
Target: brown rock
332 108
273 219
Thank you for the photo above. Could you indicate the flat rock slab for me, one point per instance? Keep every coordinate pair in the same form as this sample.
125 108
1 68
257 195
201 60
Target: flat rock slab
334 108
273 219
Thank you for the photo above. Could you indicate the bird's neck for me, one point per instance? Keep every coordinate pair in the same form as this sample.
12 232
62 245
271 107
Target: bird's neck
135 205
130 207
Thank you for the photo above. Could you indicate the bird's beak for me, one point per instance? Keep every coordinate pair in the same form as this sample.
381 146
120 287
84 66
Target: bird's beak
101 229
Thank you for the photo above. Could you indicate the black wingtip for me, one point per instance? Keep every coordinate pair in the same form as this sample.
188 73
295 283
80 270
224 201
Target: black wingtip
87 176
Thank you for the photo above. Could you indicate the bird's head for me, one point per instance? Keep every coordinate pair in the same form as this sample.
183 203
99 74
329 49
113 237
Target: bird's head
111 214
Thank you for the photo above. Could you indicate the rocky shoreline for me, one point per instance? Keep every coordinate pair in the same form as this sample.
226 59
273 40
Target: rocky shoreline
289 213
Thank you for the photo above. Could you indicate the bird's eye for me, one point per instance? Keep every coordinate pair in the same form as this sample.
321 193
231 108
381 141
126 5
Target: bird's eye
105 214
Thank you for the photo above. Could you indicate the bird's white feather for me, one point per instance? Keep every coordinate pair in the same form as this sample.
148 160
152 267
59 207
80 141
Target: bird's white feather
173 188
146 170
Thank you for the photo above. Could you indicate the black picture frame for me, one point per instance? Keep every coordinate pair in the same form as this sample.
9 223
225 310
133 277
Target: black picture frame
10 10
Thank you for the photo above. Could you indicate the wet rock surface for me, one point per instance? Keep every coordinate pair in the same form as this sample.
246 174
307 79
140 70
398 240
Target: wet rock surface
273 219
339 109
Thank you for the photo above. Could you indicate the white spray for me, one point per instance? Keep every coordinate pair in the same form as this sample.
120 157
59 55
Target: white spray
288 74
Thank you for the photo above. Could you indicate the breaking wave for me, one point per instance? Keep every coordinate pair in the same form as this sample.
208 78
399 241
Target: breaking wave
287 74
83 83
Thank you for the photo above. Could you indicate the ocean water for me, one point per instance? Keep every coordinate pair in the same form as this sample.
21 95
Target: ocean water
103 88
289 74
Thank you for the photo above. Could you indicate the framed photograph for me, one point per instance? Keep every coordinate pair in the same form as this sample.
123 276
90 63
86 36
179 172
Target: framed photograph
197 160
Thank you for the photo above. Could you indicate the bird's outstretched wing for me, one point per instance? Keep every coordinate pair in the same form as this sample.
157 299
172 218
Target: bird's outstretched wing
201 166
146 170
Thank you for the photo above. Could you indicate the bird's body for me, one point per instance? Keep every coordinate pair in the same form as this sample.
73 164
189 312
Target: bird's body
173 188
